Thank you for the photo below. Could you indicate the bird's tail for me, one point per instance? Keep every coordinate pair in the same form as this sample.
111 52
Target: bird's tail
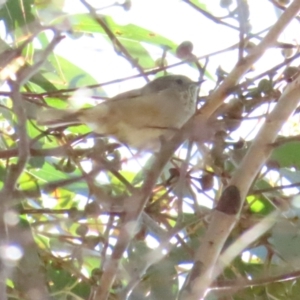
52 117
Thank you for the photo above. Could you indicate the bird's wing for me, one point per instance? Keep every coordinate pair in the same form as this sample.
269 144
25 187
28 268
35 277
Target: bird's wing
152 110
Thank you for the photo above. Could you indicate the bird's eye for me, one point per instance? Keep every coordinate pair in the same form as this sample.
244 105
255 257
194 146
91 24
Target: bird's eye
179 81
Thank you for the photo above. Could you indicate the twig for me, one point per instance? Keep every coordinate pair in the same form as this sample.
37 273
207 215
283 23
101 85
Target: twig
6 194
113 38
133 208
224 218
216 99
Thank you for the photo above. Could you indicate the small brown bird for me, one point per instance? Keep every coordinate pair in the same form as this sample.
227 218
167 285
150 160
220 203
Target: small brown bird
140 118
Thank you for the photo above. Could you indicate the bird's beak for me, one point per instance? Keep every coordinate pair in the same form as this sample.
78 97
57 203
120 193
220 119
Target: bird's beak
199 82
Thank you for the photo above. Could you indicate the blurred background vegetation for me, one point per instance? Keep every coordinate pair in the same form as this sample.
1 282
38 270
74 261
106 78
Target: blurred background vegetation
65 193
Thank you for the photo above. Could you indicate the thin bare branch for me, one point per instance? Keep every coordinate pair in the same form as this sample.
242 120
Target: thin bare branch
6 194
217 98
224 218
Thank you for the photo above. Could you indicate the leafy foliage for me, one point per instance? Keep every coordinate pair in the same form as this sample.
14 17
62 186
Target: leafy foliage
85 217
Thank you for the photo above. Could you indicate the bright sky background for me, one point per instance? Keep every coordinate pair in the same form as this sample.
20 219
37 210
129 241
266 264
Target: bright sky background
171 18
179 22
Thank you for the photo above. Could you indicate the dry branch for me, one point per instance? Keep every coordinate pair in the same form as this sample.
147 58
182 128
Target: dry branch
225 216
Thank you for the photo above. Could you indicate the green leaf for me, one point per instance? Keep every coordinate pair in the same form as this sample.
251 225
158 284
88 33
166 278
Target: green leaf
49 174
17 14
42 80
85 23
135 49
287 155
163 279
69 75
260 204
286 240
62 280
